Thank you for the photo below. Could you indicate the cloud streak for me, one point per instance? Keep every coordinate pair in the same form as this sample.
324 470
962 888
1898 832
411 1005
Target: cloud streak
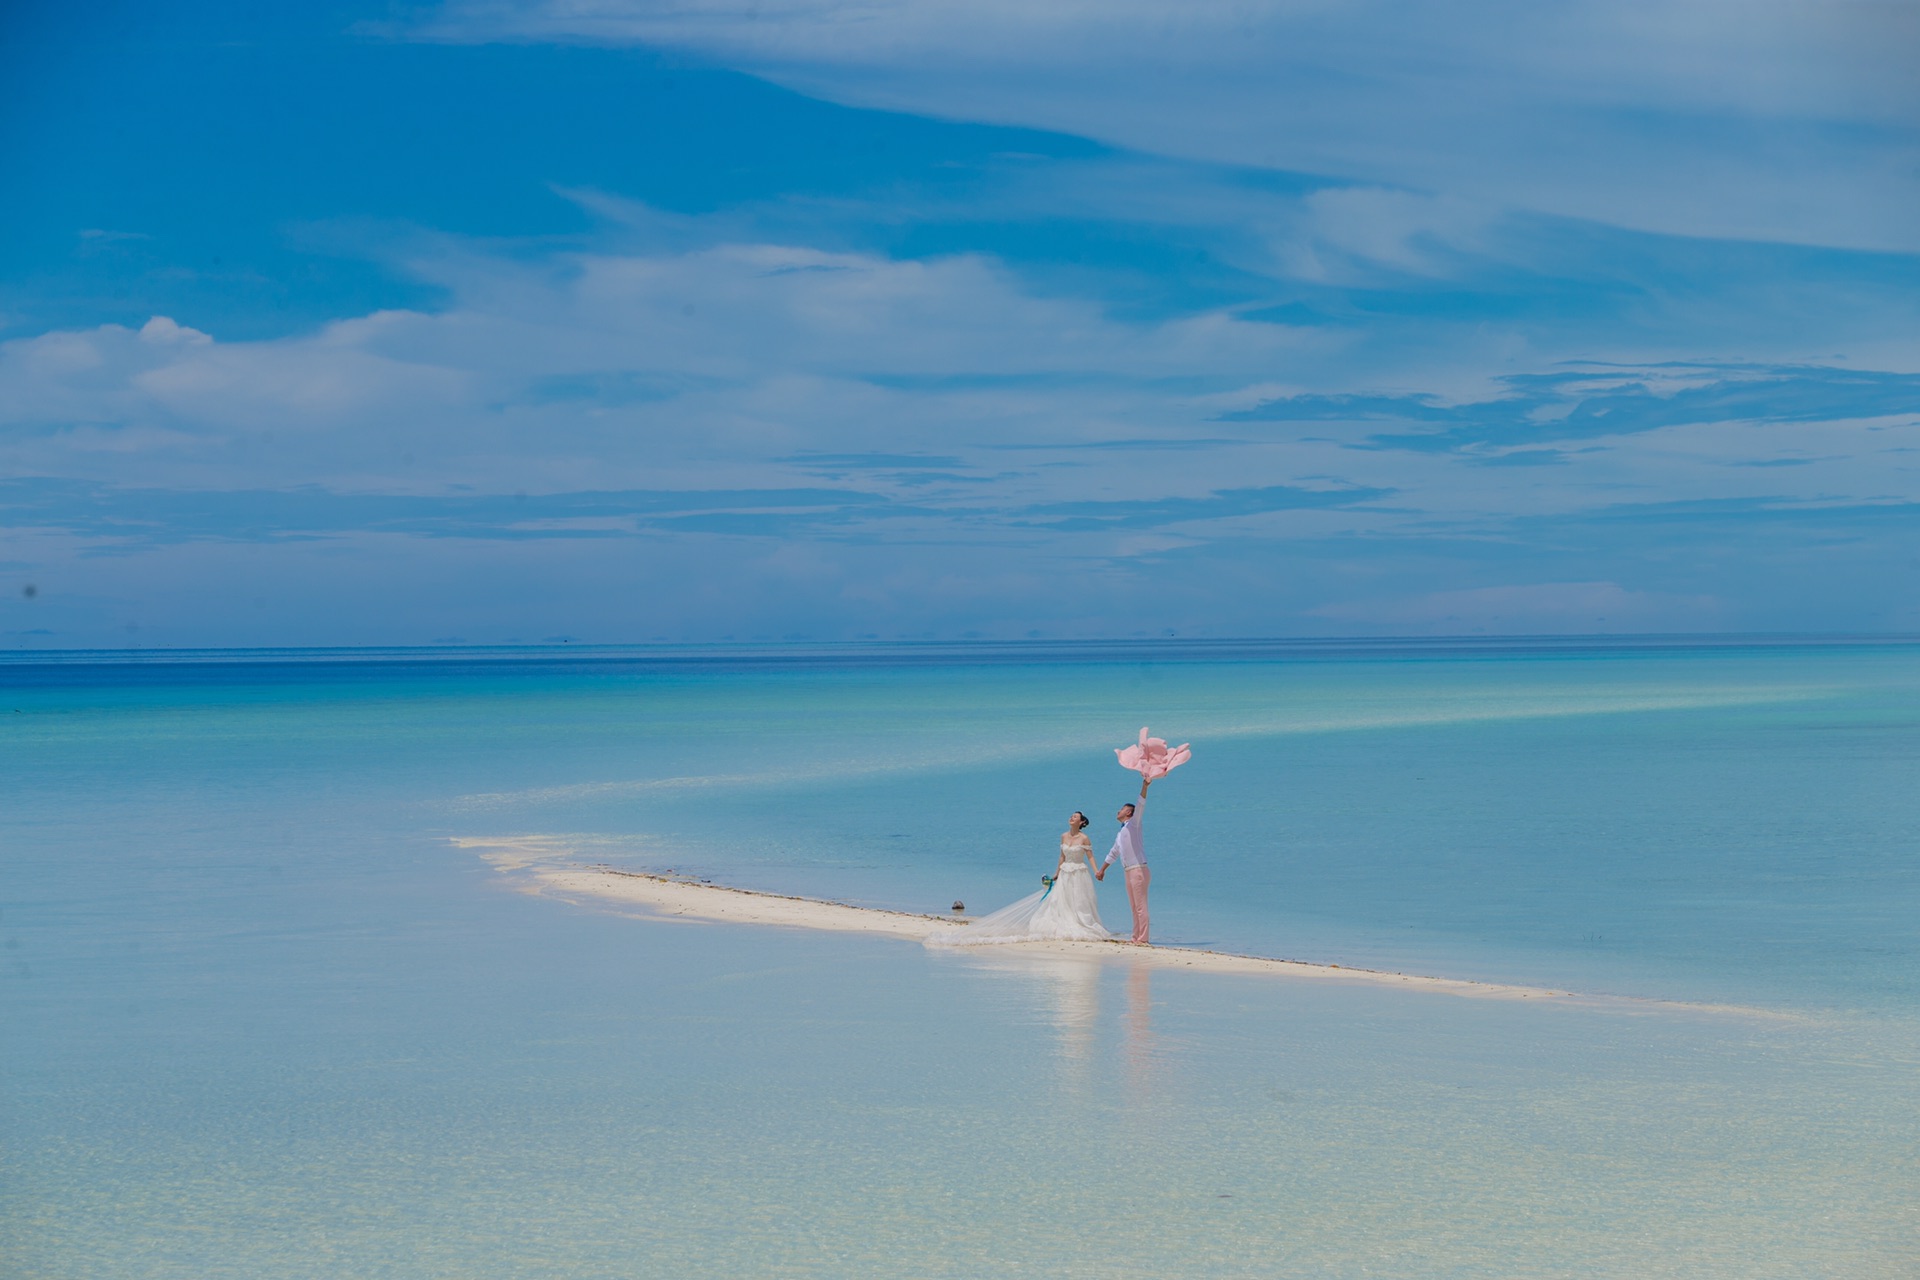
1778 120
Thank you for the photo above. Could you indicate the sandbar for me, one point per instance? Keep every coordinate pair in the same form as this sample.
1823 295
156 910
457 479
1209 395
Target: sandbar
540 865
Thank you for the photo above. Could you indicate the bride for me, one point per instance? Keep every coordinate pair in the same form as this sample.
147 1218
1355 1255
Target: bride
1064 909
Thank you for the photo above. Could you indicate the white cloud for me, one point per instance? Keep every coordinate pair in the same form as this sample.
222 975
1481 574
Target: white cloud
604 368
705 365
1372 227
1061 444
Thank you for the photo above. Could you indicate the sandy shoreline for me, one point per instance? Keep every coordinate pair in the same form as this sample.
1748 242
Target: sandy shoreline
537 865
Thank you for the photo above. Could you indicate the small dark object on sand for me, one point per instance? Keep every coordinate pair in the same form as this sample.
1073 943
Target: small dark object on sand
959 905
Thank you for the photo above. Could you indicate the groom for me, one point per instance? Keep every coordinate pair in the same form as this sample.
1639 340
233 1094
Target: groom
1127 847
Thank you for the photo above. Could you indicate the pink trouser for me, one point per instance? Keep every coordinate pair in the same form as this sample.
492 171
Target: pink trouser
1137 878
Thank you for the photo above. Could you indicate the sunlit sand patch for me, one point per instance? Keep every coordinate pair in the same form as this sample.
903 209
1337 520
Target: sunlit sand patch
550 866
520 853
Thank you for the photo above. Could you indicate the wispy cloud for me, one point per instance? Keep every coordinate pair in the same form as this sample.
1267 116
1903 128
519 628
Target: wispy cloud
124 517
1221 504
1563 407
1778 120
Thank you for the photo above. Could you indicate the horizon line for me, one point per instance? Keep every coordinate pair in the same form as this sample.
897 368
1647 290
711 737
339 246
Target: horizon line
1171 648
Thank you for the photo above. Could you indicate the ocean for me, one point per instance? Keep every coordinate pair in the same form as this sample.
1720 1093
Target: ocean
268 1014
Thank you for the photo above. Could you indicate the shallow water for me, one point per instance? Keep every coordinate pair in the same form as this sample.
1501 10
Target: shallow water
264 1019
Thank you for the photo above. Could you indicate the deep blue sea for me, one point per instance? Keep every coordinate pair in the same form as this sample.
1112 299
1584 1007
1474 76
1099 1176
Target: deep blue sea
268 1014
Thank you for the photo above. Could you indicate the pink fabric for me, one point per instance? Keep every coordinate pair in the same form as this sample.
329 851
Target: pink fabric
1151 757
1137 879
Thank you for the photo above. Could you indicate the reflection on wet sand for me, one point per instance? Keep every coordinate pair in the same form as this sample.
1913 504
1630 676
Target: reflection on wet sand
1139 1029
1065 994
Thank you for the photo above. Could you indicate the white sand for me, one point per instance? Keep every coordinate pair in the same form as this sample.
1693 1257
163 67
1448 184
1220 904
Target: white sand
546 866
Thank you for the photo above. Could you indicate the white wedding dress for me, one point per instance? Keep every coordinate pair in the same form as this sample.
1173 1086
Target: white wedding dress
1066 910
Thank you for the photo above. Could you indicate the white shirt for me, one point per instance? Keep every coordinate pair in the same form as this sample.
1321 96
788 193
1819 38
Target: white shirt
1128 845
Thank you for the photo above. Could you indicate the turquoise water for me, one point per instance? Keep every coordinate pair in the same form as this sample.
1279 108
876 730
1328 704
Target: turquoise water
265 1018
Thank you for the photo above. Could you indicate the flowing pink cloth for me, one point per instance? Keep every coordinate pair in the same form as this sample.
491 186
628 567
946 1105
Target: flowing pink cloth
1151 757
1137 880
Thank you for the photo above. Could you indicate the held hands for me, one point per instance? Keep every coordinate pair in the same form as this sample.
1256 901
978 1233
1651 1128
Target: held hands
1101 874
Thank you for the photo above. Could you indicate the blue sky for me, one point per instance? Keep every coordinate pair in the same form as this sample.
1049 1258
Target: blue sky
617 321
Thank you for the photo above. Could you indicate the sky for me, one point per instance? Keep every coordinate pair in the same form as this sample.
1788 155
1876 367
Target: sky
596 321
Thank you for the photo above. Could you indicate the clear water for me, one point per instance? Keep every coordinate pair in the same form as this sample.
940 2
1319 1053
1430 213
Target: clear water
264 1019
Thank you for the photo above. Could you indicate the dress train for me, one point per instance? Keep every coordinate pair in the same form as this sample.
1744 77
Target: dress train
1065 911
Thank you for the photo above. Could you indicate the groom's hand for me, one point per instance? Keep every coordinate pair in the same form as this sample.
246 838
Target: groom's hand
1101 874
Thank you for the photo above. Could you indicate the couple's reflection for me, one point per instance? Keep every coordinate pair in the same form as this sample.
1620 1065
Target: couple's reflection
1066 992
1139 1026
